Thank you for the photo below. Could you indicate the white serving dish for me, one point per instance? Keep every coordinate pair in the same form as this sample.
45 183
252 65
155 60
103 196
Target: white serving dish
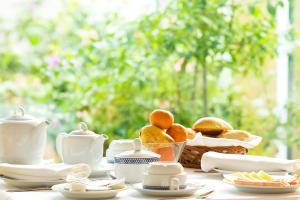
22 138
81 146
102 194
30 183
131 165
280 173
264 189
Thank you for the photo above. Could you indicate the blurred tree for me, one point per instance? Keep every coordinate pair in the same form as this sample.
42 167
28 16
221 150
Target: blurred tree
207 37
112 73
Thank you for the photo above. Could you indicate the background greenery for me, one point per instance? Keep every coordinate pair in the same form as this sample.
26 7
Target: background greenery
193 57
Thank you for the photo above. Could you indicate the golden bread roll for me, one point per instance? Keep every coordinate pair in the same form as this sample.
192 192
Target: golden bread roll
235 134
211 126
191 134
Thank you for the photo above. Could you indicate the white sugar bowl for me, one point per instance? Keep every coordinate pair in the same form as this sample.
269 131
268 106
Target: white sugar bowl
117 147
131 165
165 176
81 146
22 138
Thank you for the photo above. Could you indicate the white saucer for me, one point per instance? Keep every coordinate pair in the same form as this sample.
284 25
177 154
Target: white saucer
104 194
264 189
30 183
101 171
188 191
280 173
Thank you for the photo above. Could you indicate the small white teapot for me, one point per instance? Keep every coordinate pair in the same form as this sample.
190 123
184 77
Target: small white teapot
81 146
22 138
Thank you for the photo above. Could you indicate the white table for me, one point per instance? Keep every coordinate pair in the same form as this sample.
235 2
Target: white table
221 191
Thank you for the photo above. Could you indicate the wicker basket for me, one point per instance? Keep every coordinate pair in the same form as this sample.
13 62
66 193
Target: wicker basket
191 155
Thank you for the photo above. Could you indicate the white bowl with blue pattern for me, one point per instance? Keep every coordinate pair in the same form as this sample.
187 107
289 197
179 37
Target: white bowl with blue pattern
132 165
118 146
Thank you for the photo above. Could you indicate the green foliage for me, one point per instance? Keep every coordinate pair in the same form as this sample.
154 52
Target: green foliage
112 73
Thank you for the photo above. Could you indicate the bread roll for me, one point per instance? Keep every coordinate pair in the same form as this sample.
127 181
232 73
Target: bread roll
211 126
236 135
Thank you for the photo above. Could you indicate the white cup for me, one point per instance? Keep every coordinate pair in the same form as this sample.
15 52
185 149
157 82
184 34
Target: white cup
165 176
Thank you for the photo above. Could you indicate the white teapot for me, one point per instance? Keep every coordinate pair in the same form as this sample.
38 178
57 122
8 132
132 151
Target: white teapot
81 146
22 138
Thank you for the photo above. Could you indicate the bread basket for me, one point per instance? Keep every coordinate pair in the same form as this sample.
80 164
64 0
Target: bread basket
191 155
193 151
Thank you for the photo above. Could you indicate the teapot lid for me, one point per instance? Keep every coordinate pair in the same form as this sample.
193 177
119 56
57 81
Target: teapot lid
19 115
138 152
82 130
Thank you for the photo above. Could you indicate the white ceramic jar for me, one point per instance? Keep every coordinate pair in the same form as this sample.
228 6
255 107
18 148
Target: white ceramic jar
131 165
22 138
81 146
117 147
165 176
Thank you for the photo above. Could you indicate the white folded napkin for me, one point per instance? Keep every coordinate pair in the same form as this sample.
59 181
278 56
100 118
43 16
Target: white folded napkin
46 172
236 162
200 140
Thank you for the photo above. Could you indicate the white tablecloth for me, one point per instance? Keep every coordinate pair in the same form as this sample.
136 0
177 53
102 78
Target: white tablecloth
221 191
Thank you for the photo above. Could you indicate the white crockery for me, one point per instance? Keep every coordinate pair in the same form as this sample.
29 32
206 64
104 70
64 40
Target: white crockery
131 165
165 182
81 146
100 194
188 191
30 183
22 138
117 147
165 168
165 176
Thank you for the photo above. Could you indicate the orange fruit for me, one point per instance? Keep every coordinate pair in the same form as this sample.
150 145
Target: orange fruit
161 118
177 132
166 153
153 134
191 134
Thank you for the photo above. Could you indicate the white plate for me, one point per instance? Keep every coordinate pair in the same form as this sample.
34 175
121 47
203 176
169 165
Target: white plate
265 189
105 194
188 191
101 171
280 173
30 183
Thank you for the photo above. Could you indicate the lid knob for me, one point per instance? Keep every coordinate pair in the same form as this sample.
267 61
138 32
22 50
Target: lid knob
83 127
137 144
20 111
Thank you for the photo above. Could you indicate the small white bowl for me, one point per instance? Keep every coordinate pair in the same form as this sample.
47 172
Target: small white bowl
117 147
132 165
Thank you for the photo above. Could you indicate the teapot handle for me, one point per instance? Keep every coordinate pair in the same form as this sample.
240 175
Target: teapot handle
59 144
105 137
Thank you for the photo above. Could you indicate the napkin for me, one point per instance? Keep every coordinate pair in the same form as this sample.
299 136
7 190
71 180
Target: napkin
200 140
236 162
44 172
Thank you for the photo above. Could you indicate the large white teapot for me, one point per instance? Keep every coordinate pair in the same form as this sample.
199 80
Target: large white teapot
22 138
81 146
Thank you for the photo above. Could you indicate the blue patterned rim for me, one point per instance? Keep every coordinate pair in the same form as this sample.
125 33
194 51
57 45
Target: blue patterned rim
135 160
110 161
154 187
